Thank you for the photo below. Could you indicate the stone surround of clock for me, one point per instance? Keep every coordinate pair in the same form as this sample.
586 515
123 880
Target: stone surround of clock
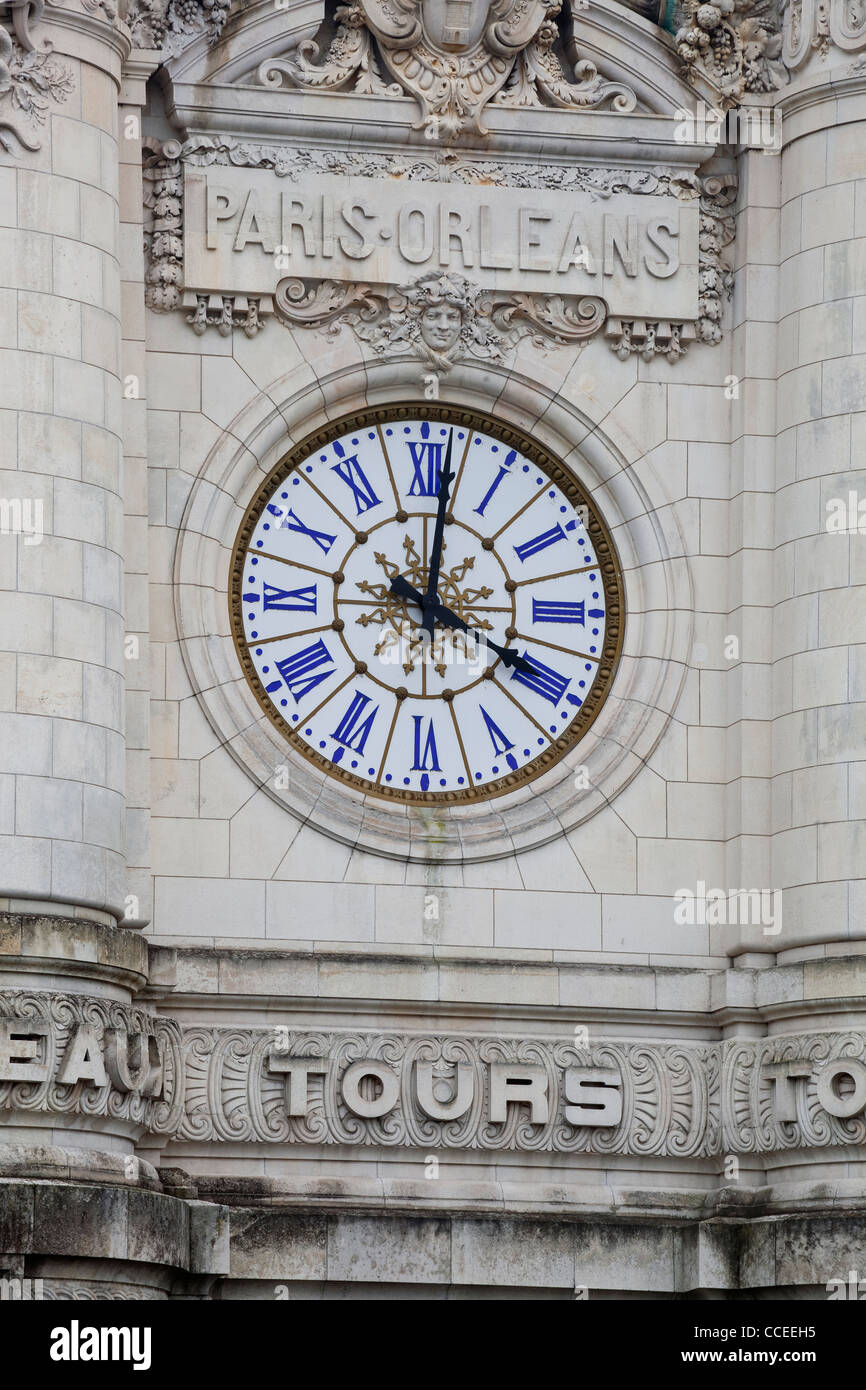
588 768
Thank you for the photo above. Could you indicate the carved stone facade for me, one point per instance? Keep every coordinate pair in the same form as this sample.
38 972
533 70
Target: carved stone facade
440 292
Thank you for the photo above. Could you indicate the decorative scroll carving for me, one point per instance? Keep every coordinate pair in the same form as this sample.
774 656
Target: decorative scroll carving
669 1093
30 77
307 1086
67 1290
652 338
143 1081
735 43
685 1099
440 318
109 10
454 59
750 1102
812 26
23 13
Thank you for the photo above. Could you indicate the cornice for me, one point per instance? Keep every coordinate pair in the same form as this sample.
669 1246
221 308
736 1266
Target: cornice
817 101
344 121
90 25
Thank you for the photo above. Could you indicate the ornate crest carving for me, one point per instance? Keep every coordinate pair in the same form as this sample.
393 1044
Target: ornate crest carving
454 57
440 318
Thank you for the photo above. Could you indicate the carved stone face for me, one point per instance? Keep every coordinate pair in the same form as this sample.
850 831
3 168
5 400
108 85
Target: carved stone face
440 326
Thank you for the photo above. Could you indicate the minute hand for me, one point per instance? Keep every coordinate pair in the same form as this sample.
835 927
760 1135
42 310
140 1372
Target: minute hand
431 598
443 615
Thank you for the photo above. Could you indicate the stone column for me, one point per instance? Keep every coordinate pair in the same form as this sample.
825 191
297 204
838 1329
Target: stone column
137 484
61 551
819 734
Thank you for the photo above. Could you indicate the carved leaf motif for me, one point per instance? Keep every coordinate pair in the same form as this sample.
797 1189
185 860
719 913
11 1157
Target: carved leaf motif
510 62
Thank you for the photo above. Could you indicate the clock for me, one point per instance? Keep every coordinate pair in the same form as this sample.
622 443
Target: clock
425 604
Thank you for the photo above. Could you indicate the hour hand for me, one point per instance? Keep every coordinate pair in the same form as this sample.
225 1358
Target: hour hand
400 585
507 655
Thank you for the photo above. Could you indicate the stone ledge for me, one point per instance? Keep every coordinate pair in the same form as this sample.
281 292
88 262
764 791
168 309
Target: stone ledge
99 1222
72 946
516 981
643 1257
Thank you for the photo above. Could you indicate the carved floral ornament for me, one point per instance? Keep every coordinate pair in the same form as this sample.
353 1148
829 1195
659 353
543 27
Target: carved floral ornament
438 318
72 1055
30 77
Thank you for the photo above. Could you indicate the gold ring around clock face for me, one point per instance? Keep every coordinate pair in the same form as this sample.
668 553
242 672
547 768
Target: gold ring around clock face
426 604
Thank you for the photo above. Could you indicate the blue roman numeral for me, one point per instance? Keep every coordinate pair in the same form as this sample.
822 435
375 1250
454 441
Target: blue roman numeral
496 733
429 750
542 679
287 600
503 473
427 467
548 611
300 672
540 542
321 538
354 728
353 475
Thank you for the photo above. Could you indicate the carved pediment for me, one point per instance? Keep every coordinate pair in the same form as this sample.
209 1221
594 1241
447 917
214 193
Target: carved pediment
454 57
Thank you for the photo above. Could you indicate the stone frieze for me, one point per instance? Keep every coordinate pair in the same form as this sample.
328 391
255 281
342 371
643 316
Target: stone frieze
68 1054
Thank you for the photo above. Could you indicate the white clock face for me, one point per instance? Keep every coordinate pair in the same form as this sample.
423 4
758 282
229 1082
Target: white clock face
426 644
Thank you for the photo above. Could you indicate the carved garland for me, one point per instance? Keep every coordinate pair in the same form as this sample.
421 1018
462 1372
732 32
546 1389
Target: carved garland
170 25
735 43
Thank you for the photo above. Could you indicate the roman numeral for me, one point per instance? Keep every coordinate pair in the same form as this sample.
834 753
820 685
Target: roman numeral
321 538
496 733
540 542
286 600
542 679
300 672
548 611
427 467
354 728
429 749
503 473
353 475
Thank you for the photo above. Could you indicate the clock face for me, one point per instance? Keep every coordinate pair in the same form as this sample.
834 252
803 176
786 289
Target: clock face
426 645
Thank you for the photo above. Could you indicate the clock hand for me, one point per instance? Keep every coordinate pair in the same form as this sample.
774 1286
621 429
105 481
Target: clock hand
431 597
443 615
507 655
